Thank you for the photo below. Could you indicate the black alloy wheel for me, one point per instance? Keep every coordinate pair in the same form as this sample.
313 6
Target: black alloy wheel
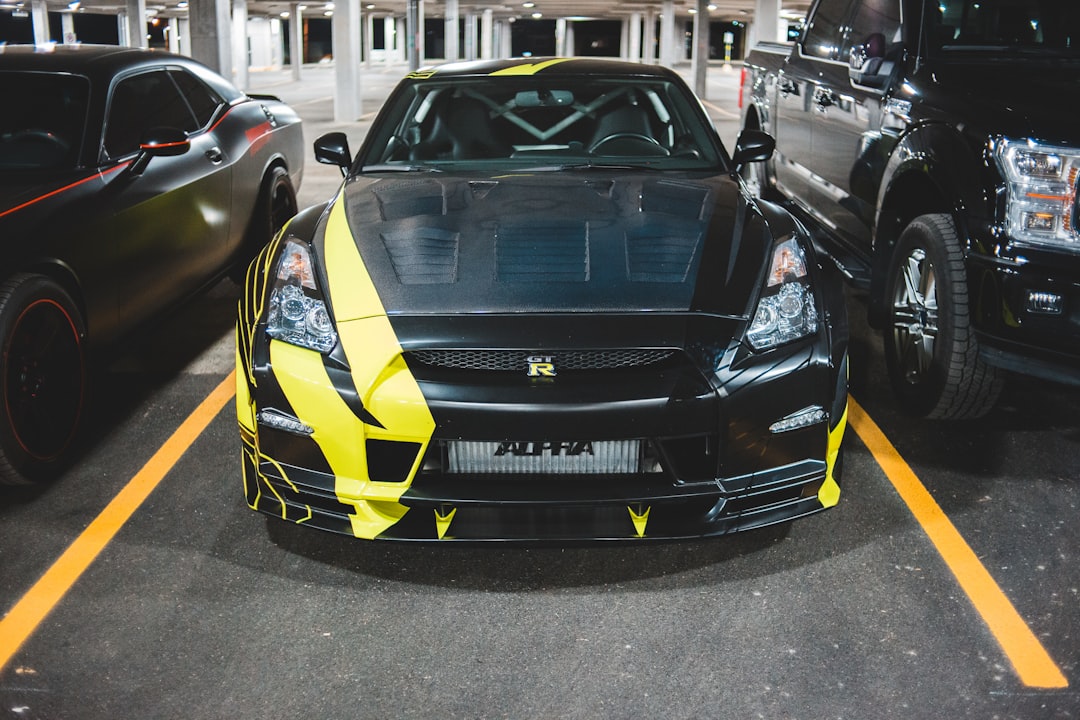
931 351
43 378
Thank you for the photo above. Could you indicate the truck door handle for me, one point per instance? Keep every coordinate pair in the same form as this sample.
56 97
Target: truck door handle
825 98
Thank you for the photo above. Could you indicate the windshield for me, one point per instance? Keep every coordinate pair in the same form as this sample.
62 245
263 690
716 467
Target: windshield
1039 27
41 120
531 123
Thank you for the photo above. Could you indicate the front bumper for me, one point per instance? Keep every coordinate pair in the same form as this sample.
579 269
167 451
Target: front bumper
1026 310
369 459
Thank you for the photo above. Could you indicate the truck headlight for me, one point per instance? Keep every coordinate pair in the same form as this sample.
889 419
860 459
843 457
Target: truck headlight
1041 201
786 309
298 313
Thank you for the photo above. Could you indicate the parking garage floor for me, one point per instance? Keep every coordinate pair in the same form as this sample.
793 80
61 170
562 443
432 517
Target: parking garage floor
945 584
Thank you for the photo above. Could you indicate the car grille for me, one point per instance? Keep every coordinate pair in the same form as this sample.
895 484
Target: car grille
518 360
545 458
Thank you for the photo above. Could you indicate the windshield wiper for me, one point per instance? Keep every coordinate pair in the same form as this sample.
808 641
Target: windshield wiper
591 166
393 167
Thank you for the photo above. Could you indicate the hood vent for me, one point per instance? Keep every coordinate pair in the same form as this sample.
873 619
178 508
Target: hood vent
685 200
426 256
658 258
542 253
407 199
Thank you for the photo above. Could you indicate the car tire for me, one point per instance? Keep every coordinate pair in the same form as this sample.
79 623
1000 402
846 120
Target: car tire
276 204
43 378
931 351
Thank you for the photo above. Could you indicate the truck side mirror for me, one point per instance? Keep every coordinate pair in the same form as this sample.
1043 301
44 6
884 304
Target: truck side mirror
867 65
752 146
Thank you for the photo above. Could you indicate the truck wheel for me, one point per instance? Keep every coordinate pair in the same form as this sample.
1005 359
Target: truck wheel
42 378
931 352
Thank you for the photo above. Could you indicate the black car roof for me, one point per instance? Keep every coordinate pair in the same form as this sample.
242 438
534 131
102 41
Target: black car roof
545 66
90 60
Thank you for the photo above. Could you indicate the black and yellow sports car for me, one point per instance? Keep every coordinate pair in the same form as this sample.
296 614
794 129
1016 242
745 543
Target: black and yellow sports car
129 180
541 307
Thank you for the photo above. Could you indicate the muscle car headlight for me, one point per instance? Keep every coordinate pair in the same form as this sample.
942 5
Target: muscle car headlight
1041 203
786 310
298 313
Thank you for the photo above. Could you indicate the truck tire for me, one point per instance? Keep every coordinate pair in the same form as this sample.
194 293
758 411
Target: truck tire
42 378
931 352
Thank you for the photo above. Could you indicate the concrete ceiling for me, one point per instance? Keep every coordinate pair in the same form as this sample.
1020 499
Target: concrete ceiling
724 10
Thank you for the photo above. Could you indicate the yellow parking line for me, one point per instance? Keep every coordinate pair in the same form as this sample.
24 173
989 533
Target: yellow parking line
23 619
1029 658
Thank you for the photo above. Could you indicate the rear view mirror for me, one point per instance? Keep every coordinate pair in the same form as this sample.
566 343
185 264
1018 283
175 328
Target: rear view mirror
543 98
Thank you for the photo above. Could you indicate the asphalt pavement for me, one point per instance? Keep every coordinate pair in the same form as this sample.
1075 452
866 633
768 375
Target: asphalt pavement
172 600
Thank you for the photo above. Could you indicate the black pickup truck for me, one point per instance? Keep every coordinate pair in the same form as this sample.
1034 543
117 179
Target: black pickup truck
933 148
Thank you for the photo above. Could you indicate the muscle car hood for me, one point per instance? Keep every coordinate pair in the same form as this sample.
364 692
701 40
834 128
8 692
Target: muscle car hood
557 242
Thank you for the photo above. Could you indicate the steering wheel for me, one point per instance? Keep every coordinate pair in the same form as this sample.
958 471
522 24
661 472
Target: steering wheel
652 145
40 135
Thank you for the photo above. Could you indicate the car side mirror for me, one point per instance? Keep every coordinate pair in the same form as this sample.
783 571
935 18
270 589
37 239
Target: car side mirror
752 146
333 149
159 142
867 65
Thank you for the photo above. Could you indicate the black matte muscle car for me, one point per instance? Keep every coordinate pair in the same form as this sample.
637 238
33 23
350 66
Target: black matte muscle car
542 307
129 180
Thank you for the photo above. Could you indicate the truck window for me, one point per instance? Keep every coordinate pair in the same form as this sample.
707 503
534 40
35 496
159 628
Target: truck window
876 23
823 35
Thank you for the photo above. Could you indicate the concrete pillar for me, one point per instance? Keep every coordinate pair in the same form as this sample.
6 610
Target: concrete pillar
560 37
453 17
345 35
39 18
391 40
487 34
67 29
634 32
296 40
136 21
649 48
699 59
767 26
401 40
470 36
571 43
369 40
668 36
240 60
172 35
211 42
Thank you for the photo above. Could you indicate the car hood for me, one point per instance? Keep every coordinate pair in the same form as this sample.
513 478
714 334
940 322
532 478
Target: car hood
551 242
1012 97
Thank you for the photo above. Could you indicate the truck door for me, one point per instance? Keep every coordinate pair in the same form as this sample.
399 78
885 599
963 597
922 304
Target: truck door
848 152
797 86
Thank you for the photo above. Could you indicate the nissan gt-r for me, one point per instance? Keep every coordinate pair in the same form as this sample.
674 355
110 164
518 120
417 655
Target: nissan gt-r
541 307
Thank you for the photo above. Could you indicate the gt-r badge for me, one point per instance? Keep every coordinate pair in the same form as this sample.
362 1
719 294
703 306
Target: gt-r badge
541 366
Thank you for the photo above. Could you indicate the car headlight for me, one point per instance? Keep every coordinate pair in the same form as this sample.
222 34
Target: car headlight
298 313
786 310
1041 200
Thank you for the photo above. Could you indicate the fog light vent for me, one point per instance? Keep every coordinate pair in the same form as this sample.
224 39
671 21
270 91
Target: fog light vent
1045 303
